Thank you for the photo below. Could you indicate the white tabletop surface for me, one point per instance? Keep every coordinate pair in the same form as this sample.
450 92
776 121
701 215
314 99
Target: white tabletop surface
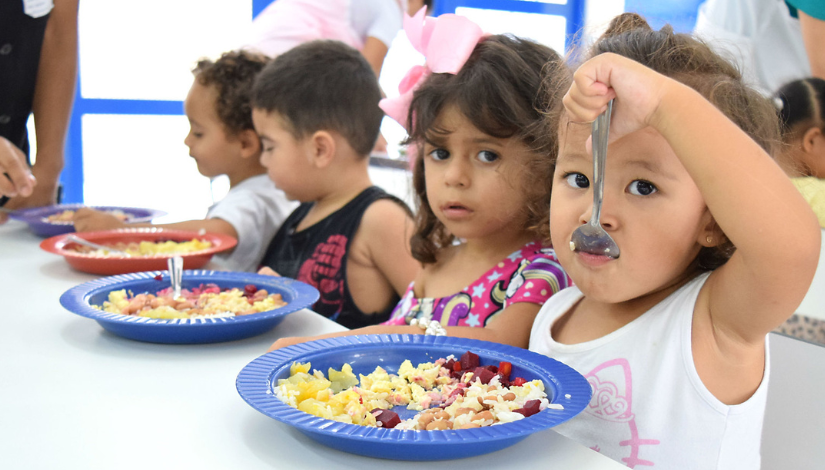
73 396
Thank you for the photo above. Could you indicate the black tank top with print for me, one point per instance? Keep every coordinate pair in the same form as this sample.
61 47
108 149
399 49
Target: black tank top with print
317 256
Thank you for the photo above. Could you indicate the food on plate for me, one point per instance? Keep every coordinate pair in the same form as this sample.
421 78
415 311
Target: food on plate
447 393
66 217
146 248
204 301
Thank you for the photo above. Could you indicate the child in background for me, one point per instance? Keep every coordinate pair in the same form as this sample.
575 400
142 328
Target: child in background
223 141
801 106
802 112
316 110
482 181
672 335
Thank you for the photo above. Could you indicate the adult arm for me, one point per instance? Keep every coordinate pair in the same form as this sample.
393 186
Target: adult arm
375 51
53 100
813 35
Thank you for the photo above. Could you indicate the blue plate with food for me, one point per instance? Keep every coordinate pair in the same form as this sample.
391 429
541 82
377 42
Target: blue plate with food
49 221
213 306
413 397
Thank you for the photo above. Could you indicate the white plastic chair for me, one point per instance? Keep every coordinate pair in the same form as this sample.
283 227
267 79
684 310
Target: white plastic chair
793 436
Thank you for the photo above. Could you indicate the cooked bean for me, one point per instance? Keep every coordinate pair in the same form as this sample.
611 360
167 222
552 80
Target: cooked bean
439 426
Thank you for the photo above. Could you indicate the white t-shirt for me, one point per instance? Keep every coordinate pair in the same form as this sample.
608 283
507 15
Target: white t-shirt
760 36
649 407
285 24
256 209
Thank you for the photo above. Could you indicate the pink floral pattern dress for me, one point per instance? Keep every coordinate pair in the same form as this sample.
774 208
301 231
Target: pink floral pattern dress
531 274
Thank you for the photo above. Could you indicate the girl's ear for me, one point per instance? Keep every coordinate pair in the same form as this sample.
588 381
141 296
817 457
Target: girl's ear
810 139
322 148
711 234
250 143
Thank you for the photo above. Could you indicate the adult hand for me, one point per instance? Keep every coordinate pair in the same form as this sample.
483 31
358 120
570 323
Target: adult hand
90 220
18 180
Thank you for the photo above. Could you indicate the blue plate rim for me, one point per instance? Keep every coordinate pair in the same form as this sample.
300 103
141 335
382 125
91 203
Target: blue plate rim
76 299
253 385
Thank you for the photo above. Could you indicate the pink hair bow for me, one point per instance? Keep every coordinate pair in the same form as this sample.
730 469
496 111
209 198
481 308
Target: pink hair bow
446 42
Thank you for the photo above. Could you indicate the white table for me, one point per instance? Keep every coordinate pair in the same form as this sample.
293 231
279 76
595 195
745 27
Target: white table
73 396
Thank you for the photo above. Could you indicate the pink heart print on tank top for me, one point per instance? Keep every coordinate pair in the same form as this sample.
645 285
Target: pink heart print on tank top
612 401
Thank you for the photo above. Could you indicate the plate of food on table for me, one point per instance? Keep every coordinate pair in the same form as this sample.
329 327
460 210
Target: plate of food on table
211 306
413 397
131 250
53 220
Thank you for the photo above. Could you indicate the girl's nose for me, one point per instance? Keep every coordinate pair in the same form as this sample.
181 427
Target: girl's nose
456 173
608 216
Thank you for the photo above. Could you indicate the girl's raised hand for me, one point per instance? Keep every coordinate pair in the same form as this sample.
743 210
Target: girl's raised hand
637 90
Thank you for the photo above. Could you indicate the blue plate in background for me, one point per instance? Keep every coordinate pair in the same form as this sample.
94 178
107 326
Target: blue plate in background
80 299
257 383
35 217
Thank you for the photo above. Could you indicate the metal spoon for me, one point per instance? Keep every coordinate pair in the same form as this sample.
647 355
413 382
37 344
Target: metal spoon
175 266
75 239
591 237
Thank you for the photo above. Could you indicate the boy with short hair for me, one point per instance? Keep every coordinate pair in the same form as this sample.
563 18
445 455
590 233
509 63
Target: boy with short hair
316 110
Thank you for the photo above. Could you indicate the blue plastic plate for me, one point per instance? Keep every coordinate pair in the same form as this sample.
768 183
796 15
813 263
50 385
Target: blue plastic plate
36 217
257 382
80 299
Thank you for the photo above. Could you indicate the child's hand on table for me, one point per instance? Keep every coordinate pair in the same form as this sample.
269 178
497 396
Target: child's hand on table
289 341
90 220
267 271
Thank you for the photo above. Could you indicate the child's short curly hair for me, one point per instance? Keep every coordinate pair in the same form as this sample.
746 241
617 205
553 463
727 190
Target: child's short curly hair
232 75
691 62
499 91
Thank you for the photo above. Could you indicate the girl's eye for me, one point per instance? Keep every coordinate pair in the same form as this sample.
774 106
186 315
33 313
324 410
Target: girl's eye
642 188
440 154
577 180
197 134
487 156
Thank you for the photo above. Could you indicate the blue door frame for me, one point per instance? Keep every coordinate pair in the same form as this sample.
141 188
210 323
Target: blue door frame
72 176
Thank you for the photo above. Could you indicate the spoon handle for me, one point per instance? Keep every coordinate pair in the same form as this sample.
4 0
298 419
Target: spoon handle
175 266
599 132
75 239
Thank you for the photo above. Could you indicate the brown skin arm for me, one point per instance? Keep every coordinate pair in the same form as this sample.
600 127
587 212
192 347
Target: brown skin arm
375 51
90 220
813 35
512 326
53 100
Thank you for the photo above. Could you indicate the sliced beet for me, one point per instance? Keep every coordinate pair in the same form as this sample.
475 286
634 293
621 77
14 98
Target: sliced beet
530 408
387 418
484 374
469 361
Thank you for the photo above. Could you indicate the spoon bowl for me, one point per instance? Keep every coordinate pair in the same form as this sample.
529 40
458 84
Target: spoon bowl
592 237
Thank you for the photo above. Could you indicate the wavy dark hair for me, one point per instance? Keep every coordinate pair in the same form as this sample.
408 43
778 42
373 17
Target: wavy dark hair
499 91
232 75
691 62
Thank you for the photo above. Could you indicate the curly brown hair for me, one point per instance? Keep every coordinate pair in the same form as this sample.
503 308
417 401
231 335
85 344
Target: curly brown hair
232 75
691 62
498 91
